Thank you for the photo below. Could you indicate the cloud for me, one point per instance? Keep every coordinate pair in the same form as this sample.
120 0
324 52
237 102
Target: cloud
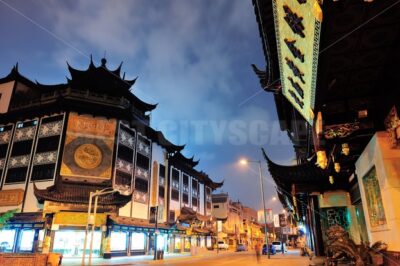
192 57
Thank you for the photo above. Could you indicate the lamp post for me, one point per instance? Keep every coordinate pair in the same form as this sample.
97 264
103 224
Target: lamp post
245 162
91 220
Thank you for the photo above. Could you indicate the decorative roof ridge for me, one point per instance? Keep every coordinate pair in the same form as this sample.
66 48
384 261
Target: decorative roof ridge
190 161
15 75
80 194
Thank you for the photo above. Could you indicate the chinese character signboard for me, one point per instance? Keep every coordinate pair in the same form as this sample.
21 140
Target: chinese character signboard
276 220
88 148
282 220
297 27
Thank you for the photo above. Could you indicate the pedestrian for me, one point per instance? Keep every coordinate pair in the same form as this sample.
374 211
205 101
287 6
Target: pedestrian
258 255
283 248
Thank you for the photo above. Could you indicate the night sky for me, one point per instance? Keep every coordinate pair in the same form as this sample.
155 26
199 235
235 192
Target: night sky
192 57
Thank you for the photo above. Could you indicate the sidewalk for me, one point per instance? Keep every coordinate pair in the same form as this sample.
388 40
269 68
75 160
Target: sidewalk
143 259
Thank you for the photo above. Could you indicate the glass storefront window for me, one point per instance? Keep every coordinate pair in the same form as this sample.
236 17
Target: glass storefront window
118 241
41 238
27 237
162 241
187 243
177 243
70 243
138 241
209 242
7 238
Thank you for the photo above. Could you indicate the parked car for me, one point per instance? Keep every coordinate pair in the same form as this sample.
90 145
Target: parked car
222 245
241 247
272 250
278 246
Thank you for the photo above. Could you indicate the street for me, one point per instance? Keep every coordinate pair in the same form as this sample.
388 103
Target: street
291 258
243 258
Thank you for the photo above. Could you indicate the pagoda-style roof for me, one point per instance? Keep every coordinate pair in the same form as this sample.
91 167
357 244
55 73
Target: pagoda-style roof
104 81
78 194
14 75
202 176
136 222
188 215
181 159
157 137
306 177
269 79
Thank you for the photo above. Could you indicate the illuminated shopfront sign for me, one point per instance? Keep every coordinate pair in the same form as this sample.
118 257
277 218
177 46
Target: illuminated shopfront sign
297 27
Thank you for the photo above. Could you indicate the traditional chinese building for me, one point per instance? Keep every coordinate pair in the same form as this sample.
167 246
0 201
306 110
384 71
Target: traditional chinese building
331 66
59 143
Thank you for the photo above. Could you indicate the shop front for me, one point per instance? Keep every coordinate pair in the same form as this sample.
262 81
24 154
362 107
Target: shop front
23 233
68 234
130 236
70 242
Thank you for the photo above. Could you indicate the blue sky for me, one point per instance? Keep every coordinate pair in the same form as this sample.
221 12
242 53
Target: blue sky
192 57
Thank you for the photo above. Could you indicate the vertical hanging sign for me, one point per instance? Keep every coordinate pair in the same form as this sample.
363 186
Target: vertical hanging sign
297 27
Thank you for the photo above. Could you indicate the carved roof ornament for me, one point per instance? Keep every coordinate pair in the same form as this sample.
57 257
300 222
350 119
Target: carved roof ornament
294 50
296 71
340 130
297 87
392 125
262 76
294 21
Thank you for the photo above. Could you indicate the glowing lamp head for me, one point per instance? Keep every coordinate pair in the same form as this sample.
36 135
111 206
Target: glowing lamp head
345 149
243 161
337 167
331 180
322 161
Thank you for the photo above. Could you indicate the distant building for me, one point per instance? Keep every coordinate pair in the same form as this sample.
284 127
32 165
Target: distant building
238 223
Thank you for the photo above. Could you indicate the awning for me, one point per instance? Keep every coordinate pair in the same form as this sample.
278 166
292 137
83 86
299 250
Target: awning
26 220
135 224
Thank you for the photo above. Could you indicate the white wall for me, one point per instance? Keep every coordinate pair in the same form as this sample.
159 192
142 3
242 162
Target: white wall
201 199
221 212
387 163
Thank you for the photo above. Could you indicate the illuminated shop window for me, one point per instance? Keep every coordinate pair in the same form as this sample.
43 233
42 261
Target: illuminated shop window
118 241
138 241
40 238
187 243
7 240
27 237
70 243
376 212
177 243
162 241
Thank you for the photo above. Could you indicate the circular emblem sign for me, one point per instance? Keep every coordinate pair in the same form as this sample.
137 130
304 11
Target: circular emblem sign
88 156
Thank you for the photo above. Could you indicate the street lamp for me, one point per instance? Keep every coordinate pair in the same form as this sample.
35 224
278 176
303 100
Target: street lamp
91 220
246 162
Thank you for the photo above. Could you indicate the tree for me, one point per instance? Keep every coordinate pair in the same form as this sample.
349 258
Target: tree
6 216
